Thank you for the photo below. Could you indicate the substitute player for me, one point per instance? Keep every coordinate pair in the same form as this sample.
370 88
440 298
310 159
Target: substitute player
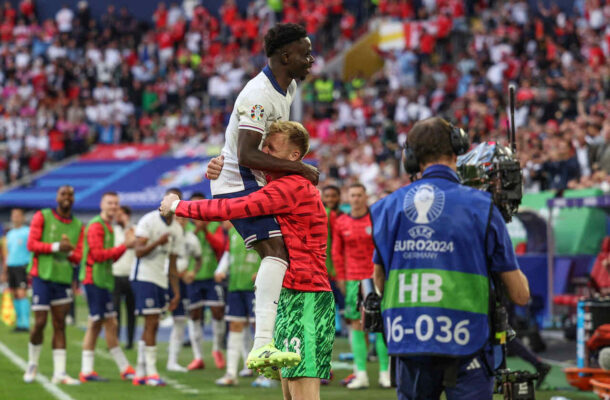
189 249
305 322
17 259
99 253
265 99
56 243
203 291
156 242
352 251
241 266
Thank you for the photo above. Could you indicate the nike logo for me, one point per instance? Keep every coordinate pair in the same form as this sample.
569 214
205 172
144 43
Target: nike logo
275 302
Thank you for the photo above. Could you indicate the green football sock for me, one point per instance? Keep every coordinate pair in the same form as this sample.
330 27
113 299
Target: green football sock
359 349
382 352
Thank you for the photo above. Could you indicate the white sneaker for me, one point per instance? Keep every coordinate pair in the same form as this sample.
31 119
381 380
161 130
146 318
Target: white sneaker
30 373
176 368
65 379
263 382
361 381
246 373
384 379
227 380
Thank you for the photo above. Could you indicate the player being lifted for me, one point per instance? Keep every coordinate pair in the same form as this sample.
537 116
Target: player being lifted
156 241
99 253
265 99
56 242
306 316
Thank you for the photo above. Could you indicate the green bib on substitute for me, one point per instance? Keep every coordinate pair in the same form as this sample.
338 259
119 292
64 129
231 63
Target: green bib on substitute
243 263
208 256
56 267
101 272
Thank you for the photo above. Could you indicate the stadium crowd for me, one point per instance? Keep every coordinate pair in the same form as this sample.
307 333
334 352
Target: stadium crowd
74 81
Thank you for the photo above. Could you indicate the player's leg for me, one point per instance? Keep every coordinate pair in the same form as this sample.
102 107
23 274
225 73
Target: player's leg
40 305
358 338
304 388
177 334
268 285
214 298
96 305
286 390
130 305
384 362
237 318
18 285
58 315
195 308
112 340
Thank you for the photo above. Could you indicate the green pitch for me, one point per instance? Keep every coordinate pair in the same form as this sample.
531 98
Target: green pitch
192 385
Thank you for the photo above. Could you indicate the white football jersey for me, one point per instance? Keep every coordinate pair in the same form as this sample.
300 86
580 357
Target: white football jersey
260 103
152 267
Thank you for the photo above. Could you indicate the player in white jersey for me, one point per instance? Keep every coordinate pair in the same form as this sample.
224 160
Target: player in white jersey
265 99
157 239
188 247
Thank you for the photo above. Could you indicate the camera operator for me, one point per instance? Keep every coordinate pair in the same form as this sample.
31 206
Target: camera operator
437 242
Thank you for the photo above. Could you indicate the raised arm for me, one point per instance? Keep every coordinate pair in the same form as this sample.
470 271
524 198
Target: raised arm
276 198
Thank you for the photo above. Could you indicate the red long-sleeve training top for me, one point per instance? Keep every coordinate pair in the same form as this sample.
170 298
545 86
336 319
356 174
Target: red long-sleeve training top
299 210
97 252
353 248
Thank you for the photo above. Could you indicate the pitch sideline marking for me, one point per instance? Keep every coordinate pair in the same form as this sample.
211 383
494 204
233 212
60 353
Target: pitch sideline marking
43 380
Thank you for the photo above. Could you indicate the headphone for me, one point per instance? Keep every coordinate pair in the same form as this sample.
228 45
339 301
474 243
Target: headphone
460 143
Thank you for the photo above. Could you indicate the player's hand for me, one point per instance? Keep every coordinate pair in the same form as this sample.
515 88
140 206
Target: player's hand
174 302
166 204
254 277
215 167
219 276
310 173
188 277
65 245
130 238
163 239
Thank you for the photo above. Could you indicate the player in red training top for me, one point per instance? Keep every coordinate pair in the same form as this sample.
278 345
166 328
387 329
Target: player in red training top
56 243
352 252
96 274
306 310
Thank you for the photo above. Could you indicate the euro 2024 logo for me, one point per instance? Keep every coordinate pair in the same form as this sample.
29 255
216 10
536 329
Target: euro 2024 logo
423 204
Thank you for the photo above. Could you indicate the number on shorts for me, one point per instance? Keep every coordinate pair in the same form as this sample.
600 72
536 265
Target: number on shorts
295 342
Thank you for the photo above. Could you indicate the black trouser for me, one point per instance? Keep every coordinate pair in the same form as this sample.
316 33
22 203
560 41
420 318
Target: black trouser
122 289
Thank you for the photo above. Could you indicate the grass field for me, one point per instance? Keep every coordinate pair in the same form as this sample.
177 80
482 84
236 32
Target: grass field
192 385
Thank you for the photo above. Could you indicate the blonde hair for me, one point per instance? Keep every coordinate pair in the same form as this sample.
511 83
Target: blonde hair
296 133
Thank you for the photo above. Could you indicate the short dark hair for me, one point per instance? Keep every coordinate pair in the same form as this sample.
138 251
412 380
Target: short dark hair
18 209
281 35
197 195
430 139
126 210
357 185
176 191
331 187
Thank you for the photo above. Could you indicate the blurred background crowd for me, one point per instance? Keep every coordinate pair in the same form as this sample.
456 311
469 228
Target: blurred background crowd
73 81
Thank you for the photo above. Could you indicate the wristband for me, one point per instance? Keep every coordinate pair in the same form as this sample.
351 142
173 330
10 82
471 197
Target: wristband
55 247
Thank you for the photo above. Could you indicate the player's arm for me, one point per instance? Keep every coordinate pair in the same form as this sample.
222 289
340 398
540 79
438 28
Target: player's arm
174 281
143 247
249 155
216 240
95 238
35 243
338 254
222 270
77 254
379 278
278 197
